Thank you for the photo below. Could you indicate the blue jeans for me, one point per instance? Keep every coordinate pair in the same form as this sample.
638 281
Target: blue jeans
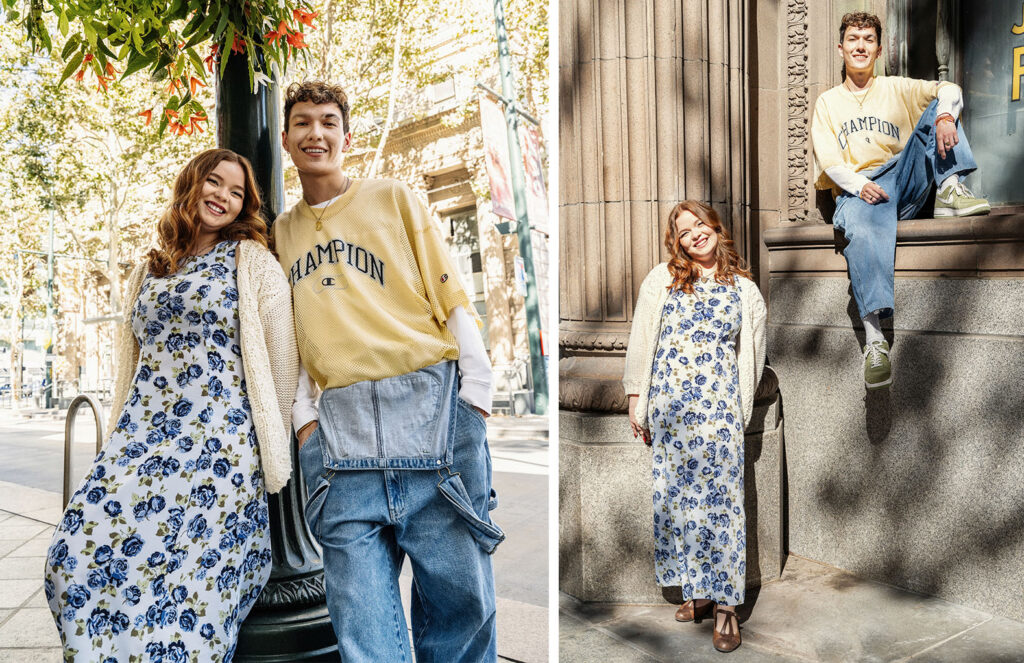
367 521
870 230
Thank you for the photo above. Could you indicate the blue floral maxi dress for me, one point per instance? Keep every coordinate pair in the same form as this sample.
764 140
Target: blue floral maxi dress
164 548
696 420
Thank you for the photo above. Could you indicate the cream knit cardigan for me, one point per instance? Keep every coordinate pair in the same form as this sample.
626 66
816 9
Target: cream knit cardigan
270 359
643 340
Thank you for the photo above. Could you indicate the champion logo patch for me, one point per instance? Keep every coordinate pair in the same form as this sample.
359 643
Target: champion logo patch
444 277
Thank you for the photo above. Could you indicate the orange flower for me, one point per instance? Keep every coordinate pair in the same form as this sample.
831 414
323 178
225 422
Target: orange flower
238 45
209 58
295 40
173 85
273 36
194 123
111 71
148 114
193 82
88 58
304 16
101 82
171 113
80 74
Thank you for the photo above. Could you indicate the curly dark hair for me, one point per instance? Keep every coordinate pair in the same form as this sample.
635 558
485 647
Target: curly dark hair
684 271
316 92
860 20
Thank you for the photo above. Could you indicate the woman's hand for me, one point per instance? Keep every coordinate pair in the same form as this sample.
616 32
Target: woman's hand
638 430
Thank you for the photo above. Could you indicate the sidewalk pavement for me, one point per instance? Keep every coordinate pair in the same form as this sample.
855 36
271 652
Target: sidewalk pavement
813 613
28 517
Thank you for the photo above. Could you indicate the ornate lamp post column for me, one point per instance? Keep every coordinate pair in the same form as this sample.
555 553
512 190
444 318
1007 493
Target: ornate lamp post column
289 621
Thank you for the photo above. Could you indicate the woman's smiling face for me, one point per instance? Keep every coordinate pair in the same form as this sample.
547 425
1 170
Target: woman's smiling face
697 239
222 196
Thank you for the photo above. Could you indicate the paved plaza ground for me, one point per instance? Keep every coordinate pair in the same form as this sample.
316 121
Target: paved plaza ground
31 457
813 613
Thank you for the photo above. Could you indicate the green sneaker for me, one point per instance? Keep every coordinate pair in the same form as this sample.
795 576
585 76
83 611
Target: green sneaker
877 369
956 200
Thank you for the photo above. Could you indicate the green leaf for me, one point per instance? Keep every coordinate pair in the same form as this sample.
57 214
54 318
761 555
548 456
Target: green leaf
44 36
90 33
225 50
71 66
137 40
105 50
73 42
136 62
221 25
193 25
62 22
197 62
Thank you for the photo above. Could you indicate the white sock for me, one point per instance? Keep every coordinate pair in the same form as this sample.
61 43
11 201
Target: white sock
952 179
872 329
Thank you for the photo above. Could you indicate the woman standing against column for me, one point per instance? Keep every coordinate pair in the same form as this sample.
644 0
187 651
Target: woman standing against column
165 546
695 356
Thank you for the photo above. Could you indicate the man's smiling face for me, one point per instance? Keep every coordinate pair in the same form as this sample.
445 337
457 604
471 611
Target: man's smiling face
860 49
315 138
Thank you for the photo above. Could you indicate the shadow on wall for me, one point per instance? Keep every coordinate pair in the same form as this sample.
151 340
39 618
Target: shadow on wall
934 477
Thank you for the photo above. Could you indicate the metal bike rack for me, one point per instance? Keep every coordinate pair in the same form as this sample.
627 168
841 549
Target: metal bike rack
69 427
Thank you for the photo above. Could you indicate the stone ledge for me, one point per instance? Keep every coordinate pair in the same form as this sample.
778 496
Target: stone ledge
971 247
973 228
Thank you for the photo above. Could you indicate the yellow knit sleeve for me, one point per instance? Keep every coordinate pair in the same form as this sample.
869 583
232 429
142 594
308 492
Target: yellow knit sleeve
441 282
917 94
826 145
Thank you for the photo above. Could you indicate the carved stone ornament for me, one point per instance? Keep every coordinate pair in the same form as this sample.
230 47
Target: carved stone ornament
798 129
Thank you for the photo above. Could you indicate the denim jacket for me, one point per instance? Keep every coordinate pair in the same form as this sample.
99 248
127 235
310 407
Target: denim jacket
404 422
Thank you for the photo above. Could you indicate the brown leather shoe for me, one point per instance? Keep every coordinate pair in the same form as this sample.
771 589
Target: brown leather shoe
688 613
727 639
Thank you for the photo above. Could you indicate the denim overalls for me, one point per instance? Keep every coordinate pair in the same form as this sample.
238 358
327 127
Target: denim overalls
870 229
400 467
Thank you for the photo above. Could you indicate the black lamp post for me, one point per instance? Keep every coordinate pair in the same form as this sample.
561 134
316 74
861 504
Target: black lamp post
289 621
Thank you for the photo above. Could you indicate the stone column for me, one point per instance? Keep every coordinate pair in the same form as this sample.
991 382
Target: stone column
652 111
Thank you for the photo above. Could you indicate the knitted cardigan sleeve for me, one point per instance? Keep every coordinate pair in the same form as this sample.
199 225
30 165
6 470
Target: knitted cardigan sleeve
126 348
274 298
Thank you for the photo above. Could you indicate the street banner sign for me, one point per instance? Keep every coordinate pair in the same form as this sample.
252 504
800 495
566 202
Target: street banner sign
492 122
536 191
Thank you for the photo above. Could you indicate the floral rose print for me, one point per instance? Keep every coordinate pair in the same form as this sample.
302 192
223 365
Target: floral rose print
697 434
165 546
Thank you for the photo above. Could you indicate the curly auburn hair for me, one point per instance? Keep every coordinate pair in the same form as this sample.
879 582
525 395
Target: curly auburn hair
316 92
683 270
179 226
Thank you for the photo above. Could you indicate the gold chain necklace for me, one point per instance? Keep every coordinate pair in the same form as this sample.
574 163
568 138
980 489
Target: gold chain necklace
860 100
341 190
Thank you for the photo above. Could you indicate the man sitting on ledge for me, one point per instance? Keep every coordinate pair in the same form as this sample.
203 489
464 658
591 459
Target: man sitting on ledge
880 144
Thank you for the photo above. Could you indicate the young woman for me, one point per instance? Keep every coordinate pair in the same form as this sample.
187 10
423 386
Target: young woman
164 548
695 357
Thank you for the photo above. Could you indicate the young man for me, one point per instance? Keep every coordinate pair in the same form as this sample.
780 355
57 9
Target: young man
880 143
395 457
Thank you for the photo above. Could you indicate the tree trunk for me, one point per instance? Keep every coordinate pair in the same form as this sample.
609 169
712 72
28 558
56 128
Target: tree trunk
16 283
396 60
113 253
